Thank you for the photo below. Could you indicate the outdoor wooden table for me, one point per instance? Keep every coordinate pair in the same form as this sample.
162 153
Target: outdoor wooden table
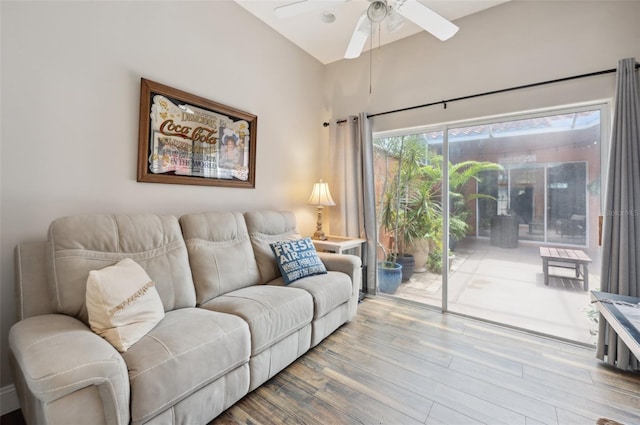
566 258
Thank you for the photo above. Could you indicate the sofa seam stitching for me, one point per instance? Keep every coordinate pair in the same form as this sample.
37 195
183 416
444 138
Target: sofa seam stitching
131 378
70 370
50 337
196 385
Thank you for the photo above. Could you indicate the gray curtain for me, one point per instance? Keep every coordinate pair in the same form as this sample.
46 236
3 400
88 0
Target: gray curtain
621 240
352 187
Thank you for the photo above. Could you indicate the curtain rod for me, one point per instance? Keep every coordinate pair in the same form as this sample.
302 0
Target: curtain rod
455 99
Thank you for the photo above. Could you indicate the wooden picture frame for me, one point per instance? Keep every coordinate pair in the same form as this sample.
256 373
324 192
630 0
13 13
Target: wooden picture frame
187 139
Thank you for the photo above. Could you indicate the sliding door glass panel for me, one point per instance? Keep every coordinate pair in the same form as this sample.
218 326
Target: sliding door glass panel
545 193
408 178
567 195
527 200
515 185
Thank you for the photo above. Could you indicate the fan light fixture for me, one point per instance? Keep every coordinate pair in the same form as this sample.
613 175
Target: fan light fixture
394 21
378 10
395 12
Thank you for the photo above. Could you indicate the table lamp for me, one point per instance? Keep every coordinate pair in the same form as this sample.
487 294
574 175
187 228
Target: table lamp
320 197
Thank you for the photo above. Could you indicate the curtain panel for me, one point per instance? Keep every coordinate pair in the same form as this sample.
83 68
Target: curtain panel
350 173
620 272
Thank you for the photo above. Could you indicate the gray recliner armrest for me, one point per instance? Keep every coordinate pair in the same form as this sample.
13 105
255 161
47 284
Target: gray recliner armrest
58 355
345 263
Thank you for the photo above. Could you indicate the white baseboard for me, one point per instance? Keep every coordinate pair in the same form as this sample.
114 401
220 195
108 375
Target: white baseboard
8 399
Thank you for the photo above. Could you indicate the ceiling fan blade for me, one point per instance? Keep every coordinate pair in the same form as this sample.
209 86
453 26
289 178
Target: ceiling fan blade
359 37
303 6
426 19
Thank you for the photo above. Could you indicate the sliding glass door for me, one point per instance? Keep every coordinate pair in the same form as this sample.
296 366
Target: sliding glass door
549 199
515 185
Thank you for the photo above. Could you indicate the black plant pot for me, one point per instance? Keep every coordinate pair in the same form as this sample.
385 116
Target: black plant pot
408 266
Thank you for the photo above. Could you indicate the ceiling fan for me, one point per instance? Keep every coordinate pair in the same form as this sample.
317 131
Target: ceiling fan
392 11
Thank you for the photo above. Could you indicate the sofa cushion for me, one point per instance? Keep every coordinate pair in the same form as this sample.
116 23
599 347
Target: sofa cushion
79 244
189 349
328 291
265 228
297 259
272 312
122 303
220 253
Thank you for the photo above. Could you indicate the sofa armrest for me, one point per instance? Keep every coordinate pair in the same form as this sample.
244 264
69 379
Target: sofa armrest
58 355
345 263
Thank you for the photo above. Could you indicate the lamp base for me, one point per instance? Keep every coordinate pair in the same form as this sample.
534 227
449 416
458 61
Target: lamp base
319 236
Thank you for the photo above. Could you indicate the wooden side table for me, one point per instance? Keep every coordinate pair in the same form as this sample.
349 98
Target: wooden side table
339 244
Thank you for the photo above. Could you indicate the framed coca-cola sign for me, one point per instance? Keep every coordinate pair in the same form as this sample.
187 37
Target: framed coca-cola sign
187 139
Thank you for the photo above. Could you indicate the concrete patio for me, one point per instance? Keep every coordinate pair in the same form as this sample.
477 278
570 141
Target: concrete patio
507 286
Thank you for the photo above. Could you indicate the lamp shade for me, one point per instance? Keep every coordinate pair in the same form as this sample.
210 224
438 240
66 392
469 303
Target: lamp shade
320 195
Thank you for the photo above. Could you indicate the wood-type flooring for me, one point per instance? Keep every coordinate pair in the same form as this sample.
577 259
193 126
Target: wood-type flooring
400 363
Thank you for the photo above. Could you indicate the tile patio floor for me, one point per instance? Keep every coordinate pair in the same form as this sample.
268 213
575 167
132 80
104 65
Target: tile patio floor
507 286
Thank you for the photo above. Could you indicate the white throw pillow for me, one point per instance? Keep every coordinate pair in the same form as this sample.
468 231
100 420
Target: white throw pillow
123 303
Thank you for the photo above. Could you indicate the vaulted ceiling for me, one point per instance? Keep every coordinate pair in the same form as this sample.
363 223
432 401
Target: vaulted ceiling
326 39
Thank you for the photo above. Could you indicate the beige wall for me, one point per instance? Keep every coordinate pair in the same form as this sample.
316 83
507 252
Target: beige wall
516 43
70 97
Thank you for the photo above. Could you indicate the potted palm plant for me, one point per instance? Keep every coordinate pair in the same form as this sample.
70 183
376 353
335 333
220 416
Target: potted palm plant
460 175
400 210
411 207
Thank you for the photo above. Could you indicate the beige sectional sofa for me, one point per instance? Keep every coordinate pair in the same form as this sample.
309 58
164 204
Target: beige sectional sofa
229 322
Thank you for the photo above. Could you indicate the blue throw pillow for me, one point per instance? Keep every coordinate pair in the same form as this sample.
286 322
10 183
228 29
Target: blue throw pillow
297 259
